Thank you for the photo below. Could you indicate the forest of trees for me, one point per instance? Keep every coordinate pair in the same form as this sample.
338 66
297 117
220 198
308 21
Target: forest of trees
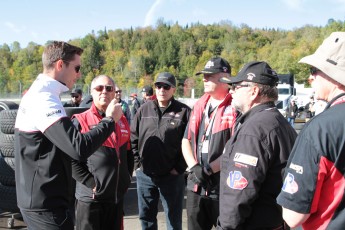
133 57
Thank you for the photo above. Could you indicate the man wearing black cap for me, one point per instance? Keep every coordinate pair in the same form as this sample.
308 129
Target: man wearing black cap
208 130
156 134
76 97
147 93
255 157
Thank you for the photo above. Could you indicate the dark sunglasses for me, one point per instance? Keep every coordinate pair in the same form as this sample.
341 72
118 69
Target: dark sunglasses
108 88
313 70
118 91
75 96
76 68
235 86
164 86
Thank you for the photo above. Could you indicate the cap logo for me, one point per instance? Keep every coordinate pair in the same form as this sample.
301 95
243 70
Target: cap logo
250 76
225 69
209 64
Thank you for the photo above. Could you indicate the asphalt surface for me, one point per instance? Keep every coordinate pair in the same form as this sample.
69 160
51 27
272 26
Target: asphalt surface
131 220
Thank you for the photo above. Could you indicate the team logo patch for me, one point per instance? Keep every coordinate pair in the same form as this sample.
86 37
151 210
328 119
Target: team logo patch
209 64
121 124
236 180
297 168
290 185
246 159
250 76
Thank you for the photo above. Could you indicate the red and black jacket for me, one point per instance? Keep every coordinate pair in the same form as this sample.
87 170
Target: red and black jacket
221 131
109 168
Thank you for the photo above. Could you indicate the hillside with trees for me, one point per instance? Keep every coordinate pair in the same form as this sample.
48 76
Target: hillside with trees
133 57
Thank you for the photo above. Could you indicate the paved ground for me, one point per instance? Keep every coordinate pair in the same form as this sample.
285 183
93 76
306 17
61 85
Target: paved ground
131 221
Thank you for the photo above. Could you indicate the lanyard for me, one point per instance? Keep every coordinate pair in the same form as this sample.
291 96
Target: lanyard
209 119
337 100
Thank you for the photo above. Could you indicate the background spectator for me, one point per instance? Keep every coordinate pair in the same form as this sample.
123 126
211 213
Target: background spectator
76 98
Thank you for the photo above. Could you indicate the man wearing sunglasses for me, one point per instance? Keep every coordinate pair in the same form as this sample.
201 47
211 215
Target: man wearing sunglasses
255 157
156 134
104 178
208 130
46 140
76 98
313 191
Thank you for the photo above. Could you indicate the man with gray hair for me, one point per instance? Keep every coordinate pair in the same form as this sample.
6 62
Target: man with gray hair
156 135
104 178
255 157
313 191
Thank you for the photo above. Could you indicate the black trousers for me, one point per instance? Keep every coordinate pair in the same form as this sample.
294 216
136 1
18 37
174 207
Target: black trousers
202 212
99 216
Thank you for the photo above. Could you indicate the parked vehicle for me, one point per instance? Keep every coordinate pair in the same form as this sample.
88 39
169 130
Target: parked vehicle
286 91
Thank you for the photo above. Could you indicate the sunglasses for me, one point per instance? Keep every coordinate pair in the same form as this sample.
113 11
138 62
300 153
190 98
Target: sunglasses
164 86
313 71
118 91
75 96
76 68
108 88
235 86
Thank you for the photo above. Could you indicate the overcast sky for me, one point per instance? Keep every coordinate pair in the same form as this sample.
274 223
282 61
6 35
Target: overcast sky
40 20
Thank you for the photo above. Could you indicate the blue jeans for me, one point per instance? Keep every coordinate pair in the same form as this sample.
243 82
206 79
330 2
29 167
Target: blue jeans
170 189
291 120
60 219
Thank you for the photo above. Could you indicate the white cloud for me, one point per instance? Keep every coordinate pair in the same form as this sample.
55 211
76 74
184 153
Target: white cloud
14 28
150 16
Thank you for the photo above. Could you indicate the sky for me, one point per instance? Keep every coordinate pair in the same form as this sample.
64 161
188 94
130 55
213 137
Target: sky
39 21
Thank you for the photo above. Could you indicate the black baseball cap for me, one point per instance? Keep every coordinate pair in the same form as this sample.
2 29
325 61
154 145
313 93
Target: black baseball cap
166 78
148 90
216 65
76 91
255 71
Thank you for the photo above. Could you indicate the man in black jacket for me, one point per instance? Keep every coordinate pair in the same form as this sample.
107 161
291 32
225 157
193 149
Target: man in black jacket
103 180
156 135
46 140
254 158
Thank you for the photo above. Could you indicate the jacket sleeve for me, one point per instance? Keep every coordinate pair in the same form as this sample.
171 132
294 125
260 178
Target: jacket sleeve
181 164
75 144
80 171
135 139
130 159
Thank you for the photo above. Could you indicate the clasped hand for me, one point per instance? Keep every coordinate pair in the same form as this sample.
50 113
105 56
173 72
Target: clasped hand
199 177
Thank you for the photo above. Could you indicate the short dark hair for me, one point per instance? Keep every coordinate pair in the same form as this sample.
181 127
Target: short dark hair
59 50
268 91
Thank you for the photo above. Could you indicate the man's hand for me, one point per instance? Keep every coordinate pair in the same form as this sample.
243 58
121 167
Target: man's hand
114 110
198 176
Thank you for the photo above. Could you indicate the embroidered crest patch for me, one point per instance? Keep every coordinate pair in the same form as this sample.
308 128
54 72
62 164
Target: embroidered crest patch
236 180
290 185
